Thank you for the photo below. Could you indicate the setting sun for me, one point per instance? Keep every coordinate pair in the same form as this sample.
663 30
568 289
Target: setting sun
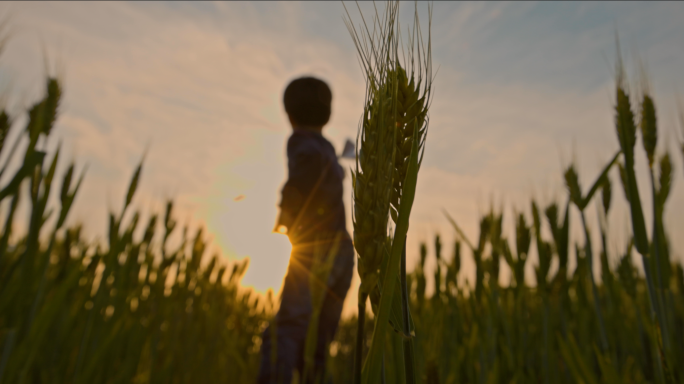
267 262
241 211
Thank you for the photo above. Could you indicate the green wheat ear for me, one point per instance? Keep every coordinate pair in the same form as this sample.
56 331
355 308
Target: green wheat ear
572 183
5 124
606 194
390 149
665 180
649 131
395 112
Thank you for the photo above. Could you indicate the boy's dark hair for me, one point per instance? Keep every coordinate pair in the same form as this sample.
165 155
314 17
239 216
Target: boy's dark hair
307 100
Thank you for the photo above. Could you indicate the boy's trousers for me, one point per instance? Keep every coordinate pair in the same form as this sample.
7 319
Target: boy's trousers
292 319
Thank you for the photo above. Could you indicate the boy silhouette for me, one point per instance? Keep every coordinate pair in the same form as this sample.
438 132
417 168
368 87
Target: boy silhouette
311 210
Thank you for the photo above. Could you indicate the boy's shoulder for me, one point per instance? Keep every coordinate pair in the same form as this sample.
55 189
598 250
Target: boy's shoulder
307 142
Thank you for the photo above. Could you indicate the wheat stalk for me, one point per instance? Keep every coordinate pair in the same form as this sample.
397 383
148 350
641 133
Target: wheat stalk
391 141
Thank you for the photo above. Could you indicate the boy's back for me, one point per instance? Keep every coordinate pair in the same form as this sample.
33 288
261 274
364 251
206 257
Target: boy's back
313 193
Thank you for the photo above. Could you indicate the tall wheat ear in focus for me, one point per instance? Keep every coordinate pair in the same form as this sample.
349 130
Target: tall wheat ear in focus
390 142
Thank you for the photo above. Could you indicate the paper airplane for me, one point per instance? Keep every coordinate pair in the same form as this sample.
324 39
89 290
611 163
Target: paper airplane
349 151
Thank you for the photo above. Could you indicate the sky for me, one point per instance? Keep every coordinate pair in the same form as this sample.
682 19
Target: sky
521 90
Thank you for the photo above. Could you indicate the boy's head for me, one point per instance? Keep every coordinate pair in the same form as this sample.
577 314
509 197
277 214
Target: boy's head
307 102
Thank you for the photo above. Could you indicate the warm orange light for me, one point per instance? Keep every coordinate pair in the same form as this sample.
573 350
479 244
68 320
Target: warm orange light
268 259
242 213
